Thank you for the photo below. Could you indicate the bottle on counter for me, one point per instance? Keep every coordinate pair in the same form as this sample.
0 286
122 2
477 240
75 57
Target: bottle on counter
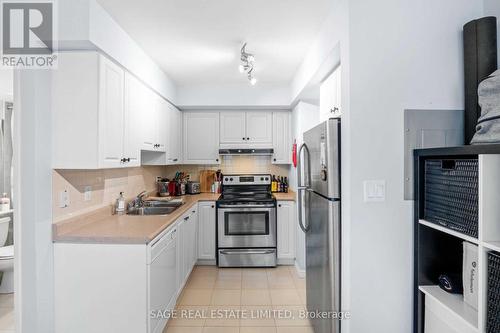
120 205
285 187
274 184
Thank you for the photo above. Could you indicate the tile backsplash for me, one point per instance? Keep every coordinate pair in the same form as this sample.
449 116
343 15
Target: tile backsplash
105 187
108 183
234 164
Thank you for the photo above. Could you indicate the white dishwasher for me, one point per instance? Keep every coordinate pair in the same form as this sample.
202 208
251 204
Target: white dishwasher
162 279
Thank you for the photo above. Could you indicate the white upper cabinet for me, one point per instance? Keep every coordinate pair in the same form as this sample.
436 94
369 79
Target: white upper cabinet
282 138
154 122
111 113
148 117
201 137
330 96
259 126
252 129
91 125
175 136
233 128
132 130
162 123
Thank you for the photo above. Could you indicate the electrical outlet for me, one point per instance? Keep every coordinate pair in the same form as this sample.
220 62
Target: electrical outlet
63 199
87 193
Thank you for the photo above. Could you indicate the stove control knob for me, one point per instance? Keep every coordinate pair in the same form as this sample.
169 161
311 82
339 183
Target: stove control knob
225 179
267 178
231 179
261 178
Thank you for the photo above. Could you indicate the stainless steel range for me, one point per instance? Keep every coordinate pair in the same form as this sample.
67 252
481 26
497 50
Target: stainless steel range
246 222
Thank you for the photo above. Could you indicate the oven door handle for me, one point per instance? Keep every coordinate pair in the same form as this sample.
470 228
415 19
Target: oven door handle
247 252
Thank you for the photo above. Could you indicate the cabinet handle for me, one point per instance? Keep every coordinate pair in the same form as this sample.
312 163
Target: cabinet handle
128 159
186 218
213 206
175 159
193 211
279 205
274 159
243 139
216 160
248 139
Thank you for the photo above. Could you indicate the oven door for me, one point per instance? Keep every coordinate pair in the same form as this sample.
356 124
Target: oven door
246 226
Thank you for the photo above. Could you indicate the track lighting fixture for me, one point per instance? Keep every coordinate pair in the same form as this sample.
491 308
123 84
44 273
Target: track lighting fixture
247 64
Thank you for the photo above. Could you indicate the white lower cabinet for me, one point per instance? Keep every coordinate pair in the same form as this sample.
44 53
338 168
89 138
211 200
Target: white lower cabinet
162 267
206 230
186 257
286 219
123 288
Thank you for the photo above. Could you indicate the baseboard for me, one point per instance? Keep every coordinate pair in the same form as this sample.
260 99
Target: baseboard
300 272
286 262
206 262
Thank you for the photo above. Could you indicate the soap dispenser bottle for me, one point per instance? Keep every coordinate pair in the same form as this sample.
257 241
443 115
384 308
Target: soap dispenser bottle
120 205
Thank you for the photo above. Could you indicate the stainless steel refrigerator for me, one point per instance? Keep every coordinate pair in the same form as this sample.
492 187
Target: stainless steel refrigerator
319 218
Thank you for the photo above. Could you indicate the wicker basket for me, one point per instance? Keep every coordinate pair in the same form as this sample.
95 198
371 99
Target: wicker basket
451 194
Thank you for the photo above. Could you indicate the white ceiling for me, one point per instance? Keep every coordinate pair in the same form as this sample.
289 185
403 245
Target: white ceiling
198 41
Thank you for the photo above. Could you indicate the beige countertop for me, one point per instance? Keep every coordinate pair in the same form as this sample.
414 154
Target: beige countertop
102 227
290 196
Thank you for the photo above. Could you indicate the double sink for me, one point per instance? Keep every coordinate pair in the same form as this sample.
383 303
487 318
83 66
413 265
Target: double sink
155 208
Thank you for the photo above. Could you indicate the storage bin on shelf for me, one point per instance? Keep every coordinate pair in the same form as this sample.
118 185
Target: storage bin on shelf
451 194
493 308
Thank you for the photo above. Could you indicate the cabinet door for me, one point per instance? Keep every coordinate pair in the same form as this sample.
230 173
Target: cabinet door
206 230
148 118
111 113
286 229
133 107
201 138
174 142
193 223
180 254
162 295
162 126
259 128
232 128
282 142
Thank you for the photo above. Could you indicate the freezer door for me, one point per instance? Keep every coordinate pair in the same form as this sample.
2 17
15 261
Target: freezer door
323 142
323 261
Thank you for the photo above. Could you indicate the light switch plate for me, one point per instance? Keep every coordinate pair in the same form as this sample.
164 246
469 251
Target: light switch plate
374 190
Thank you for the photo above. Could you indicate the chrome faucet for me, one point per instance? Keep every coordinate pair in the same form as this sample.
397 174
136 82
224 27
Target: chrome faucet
138 202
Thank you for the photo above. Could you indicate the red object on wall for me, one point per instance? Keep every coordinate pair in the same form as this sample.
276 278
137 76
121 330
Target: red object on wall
294 154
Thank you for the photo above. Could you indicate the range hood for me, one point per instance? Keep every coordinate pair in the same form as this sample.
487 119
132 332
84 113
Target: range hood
246 151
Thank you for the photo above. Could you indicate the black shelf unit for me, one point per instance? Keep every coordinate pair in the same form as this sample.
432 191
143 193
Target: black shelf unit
435 251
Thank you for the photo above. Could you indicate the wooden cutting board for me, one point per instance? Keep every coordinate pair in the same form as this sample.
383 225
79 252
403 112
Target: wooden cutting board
207 178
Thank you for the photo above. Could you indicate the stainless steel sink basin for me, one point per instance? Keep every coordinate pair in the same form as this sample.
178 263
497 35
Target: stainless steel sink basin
162 203
153 210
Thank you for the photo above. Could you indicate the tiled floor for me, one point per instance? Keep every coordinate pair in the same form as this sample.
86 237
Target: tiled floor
7 313
248 300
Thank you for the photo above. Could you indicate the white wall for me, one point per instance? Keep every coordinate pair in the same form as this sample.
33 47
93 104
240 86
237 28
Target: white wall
84 24
403 54
260 95
33 213
492 8
304 117
6 83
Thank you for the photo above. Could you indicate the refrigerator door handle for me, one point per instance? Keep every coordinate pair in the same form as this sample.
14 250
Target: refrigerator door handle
303 187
